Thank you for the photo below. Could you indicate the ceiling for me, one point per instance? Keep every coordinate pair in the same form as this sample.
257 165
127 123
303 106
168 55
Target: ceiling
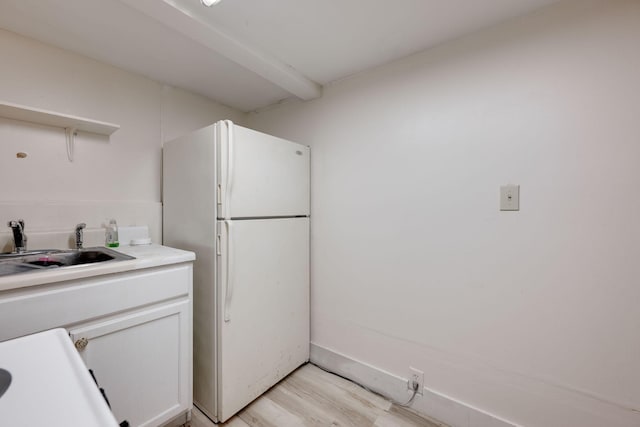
251 53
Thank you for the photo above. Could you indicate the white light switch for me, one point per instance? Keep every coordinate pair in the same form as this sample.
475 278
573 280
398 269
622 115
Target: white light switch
510 198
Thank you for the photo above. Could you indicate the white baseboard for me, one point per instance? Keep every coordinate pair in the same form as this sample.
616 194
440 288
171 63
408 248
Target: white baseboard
430 404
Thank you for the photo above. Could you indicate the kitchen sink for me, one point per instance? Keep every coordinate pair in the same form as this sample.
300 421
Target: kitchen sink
13 255
7 268
46 259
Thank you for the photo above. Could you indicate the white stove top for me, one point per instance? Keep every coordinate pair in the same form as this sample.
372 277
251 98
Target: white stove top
50 385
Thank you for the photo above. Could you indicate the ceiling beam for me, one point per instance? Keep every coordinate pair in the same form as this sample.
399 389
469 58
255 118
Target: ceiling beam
261 63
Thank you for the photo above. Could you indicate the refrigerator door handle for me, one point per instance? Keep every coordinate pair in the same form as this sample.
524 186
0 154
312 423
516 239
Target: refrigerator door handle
229 276
227 193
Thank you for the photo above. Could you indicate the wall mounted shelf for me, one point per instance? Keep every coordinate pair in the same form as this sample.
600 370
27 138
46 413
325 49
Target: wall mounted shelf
50 118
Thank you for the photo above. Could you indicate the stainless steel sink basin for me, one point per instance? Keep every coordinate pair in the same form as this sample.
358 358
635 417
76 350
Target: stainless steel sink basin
7 268
14 255
46 259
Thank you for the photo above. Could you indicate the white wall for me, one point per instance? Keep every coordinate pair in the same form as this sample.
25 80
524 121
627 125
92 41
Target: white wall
531 316
115 177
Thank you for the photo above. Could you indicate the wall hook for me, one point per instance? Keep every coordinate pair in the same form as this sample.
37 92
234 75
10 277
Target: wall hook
70 134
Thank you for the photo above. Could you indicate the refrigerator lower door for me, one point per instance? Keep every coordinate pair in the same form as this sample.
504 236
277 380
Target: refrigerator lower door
263 307
260 175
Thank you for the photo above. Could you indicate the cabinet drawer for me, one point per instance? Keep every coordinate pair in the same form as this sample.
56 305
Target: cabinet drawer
28 310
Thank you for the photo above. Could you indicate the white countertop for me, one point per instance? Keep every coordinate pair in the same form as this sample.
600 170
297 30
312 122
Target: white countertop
146 256
50 385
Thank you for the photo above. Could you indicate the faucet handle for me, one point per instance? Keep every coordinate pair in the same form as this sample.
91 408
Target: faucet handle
19 238
79 237
16 223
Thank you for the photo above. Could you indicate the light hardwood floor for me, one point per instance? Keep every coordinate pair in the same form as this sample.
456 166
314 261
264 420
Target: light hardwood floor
311 397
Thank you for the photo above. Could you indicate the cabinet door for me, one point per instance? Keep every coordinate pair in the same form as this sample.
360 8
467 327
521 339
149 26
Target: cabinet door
143 362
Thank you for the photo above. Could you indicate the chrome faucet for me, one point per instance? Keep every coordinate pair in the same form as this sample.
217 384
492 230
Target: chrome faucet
19 238
79 229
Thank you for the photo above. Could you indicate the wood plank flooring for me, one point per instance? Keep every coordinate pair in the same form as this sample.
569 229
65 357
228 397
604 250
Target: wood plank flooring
311 397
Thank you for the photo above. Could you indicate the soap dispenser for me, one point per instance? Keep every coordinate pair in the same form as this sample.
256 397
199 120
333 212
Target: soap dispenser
111 237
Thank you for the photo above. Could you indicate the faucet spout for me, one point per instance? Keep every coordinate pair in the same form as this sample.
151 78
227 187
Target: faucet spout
79 235
19 238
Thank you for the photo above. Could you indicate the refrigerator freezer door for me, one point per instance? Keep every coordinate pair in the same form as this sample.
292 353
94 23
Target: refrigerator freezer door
260 175
263 307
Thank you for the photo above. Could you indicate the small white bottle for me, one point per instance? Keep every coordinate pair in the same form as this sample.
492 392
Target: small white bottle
111 235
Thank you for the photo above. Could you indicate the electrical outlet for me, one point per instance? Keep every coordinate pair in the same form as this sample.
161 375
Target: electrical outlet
415 376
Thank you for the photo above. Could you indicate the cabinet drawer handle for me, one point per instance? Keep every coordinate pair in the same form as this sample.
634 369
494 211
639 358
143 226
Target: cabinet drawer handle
81 343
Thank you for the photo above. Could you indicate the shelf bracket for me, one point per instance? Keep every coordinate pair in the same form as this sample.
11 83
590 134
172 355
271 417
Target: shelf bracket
70 134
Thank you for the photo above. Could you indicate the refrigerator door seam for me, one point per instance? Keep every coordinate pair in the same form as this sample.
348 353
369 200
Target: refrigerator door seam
218 165
229 276
227 197
253 218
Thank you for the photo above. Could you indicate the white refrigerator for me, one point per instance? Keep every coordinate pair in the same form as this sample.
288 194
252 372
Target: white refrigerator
239 199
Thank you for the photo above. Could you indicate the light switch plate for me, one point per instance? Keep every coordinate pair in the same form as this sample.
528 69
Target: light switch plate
510 198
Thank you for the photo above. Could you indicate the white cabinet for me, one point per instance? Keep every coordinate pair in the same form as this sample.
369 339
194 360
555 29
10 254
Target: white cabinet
137 327
140 359
67 303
